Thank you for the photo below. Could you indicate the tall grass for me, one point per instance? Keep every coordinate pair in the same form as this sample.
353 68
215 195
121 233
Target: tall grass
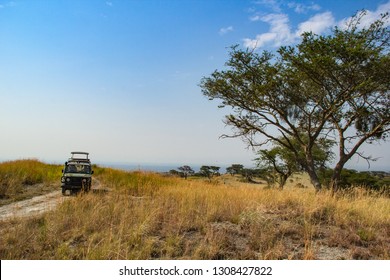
17 177
149 216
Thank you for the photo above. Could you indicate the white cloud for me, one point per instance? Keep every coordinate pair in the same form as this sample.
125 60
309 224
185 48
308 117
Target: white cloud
109 3
260 40
255 18
370 16
317 24
279 33
225 30
302 9
280 30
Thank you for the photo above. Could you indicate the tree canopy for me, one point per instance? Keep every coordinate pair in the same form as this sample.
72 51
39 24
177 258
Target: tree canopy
235 169
209 171
333 87
186 171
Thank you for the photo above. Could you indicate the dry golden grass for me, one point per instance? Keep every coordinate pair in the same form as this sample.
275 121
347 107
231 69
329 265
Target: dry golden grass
23 179
149 216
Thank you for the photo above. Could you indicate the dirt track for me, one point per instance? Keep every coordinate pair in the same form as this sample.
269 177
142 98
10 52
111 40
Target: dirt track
36 205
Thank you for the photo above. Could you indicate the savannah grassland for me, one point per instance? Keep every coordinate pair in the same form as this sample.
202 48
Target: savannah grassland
151 216
23 179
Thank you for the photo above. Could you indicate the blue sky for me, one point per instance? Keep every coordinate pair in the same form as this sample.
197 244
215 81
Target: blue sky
120 79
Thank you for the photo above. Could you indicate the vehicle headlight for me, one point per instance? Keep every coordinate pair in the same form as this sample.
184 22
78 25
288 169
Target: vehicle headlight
84 180
68 179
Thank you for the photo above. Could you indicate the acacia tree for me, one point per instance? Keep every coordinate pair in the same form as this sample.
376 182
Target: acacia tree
235 169
186 171
334 86
209 171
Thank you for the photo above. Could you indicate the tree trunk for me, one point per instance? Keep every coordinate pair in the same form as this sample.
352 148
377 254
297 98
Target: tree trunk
314 179
336 176
310 169
283 179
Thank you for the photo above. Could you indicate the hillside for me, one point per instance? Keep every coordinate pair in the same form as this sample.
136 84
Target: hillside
23 179
151 216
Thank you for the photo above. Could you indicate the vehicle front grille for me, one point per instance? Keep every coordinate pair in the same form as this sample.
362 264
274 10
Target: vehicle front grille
74 181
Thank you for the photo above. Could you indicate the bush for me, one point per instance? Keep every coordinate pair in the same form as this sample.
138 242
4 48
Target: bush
379 181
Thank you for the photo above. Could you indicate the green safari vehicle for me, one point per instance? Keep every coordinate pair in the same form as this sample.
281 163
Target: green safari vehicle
77 174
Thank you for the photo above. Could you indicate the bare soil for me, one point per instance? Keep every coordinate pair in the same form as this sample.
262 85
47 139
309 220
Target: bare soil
39 204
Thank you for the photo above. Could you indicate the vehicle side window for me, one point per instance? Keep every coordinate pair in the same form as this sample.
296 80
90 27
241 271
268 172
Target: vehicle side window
87 169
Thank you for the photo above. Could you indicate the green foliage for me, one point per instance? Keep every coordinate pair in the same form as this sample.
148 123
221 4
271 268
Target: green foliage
326 86
185 171
175 172
249 174
282 162
235 169
379 181
209 171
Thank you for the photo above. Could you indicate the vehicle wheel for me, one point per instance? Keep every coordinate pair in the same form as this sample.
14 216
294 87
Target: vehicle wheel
63 191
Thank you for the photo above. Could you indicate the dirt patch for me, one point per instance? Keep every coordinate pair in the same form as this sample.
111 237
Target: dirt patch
40 204
32 206
331 253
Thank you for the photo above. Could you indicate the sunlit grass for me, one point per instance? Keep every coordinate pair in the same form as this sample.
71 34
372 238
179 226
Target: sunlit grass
150 216
25 178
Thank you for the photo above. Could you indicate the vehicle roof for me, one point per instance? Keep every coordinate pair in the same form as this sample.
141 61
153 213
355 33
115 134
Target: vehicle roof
75 158
83 153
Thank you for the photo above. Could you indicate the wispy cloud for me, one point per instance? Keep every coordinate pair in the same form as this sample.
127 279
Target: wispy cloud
281 31
370 16
302 8
255 18
109 3
274 5
226 30
316 24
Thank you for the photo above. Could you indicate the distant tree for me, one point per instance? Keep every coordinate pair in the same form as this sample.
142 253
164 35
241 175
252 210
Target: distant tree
279 167
174 172
186 171
335 87
209 171
281 162
250 174
235 169
377 181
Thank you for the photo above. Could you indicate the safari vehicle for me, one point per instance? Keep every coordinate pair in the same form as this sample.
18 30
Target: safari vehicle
77 174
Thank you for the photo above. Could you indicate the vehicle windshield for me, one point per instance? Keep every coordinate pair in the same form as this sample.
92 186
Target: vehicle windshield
78 168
